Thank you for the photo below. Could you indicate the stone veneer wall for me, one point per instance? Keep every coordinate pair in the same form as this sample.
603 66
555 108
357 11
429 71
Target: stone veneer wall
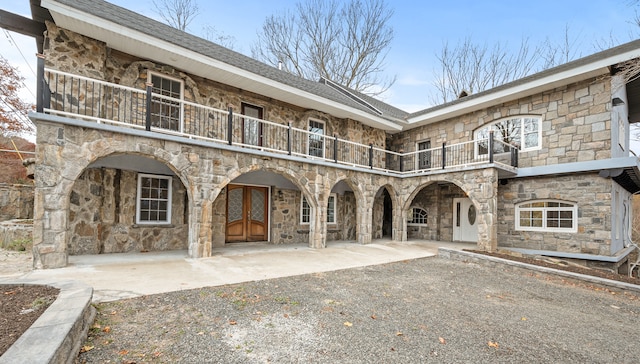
576 124
345 226
593 197
103 212
16 201
285 217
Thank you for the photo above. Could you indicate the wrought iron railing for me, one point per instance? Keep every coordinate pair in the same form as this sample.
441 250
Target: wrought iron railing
85 98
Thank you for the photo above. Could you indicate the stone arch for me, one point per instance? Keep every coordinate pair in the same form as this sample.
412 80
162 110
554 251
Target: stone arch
56 177
384 213
102 215
343 206
478 186
247 165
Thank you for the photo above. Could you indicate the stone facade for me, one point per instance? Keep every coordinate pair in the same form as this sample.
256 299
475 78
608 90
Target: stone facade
70 193
81 209
590 192
576 124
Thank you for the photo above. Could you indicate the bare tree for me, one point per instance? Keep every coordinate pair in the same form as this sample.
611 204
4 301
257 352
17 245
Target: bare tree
554 54
470 68
13 111
177 13
212 34
346 43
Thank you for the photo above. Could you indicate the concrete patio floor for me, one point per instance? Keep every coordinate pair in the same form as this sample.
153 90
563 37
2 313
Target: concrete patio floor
118 276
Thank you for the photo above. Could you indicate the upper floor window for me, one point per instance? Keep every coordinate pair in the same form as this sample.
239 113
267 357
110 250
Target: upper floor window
305 210
154 199
418 216
424 158
251 126
316 138
166 105
522 132
547 215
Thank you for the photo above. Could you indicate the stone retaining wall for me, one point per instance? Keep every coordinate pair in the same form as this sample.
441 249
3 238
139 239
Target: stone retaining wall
13 231
16 201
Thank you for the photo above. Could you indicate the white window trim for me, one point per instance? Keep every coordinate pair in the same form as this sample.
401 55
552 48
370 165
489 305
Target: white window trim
417 161
323 137
302 201
544 228
335 210
522 131
410 217
169 199
162 75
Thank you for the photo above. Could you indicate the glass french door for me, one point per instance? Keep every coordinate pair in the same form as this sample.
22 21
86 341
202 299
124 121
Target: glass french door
247 213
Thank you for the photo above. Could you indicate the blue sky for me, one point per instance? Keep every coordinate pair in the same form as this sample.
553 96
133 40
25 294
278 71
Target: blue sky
421 28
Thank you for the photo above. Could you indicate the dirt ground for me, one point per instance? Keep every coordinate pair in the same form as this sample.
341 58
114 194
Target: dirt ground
20 307
17 303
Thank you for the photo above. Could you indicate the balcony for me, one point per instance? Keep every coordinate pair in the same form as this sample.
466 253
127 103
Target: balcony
93 100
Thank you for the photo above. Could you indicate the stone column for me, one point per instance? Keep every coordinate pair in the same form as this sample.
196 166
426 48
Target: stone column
318 223
365 213
203 195
485 196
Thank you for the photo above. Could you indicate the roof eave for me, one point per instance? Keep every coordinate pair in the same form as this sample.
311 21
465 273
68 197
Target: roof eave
148 47
523 89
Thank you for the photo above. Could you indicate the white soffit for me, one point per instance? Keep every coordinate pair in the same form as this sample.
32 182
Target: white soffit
147 47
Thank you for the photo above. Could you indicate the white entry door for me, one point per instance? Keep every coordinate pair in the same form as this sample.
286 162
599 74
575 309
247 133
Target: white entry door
465 216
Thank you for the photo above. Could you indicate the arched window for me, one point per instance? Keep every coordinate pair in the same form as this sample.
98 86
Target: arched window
418 216
547 215
520 131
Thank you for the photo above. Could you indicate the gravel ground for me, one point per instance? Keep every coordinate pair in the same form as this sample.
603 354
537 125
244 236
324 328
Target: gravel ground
409 312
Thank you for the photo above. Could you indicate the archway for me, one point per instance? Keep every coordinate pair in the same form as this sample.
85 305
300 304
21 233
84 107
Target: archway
343 222
264 205
443 211
127 203
382 219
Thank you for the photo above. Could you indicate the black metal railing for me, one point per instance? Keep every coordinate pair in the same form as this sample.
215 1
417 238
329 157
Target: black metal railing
81 97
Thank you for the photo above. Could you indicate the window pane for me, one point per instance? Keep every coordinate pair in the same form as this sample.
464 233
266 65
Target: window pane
153 201
566 224
306 211
331 209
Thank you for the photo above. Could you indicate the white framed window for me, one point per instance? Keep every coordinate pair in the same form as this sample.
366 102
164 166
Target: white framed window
417 216
153 200
617 222
315 145
332 209
523 132
423 161
305 210
547 215
166 104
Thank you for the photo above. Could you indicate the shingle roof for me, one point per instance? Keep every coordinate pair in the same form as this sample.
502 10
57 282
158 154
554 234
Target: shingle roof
135 21
540 75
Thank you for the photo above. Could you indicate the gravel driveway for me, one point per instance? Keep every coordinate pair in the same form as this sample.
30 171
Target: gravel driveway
415 311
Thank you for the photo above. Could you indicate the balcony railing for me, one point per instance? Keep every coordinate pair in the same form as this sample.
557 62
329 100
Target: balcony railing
89 99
